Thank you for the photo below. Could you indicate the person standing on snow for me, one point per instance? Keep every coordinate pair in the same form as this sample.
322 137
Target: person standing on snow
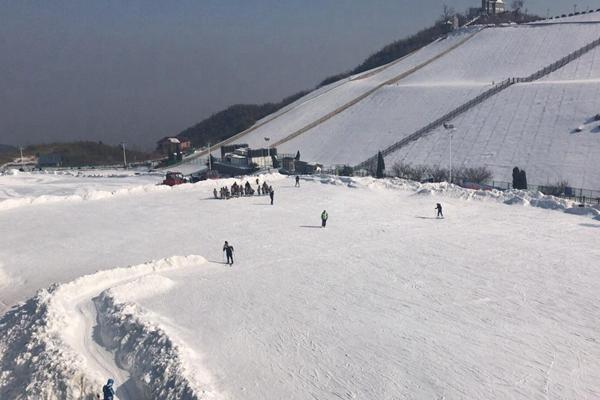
108 391
297 181
438 207
324 217
271 194
228 249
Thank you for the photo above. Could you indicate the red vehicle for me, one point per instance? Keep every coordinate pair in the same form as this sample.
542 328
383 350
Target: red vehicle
174 178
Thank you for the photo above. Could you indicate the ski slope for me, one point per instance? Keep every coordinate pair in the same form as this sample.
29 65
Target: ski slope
497 300
351 120
492 55
330 98
529 125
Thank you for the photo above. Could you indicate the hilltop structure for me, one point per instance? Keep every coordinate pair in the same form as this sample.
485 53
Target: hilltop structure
492 7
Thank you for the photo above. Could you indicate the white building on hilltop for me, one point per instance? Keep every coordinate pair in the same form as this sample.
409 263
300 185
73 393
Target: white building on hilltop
492 7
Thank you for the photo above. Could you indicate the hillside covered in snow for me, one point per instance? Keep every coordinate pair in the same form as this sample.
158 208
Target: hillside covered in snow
527 124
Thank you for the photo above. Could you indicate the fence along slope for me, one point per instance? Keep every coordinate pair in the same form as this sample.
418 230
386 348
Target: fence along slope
479 99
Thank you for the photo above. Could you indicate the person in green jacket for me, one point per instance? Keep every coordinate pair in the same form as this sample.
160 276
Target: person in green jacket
324 217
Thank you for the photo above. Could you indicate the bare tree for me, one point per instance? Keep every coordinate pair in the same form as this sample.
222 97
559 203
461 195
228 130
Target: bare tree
438 174
447 13
476 174
517 5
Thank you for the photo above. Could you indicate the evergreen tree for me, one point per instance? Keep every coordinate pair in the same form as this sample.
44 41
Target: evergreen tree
523 180
298 156
516 175
380 166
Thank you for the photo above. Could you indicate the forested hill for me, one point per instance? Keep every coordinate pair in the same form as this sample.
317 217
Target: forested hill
77 154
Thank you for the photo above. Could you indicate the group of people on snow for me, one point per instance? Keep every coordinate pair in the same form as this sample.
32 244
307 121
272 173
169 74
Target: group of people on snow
239 190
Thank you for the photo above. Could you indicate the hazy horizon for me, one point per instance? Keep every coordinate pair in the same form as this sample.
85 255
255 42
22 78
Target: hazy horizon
136 71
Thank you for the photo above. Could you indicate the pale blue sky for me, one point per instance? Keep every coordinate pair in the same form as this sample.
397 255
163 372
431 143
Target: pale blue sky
137 70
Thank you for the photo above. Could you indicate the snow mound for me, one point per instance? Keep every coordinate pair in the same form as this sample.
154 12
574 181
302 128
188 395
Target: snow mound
38 358
508 197
83 196
144 348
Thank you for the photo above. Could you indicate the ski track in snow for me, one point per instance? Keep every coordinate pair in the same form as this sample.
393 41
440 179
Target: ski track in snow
98 358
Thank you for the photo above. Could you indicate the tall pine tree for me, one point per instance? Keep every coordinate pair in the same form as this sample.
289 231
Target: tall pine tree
380 166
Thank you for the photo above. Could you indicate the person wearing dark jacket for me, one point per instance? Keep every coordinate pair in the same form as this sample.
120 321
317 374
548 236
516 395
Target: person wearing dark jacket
438 207
228 249
271 194
324 217
108 391
297 181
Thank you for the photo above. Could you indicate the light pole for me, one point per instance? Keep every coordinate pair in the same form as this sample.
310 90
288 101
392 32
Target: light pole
268 150
450 128
22 163
124 157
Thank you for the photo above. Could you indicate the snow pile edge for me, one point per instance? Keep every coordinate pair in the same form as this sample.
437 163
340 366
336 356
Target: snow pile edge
143 348
508 197
17 202
36 360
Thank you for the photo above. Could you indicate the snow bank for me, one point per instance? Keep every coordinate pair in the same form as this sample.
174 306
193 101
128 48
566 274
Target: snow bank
37 355
508 197
153 358
87 195
92 194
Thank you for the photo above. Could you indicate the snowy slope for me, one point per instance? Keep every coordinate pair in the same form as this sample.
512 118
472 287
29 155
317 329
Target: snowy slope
584 17
531 126
490 56
386 302
326 100
380 120
450 72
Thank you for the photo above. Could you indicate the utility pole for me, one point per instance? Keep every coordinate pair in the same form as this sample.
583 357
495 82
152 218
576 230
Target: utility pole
22 163
124 157
268 150
209 158
451 156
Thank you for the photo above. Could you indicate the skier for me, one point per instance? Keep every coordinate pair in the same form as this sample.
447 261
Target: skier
438 207
215 193
228 249
297 181
324 217
271 193
108 391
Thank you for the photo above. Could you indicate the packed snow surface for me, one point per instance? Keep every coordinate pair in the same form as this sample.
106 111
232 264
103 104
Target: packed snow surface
19 189
498 300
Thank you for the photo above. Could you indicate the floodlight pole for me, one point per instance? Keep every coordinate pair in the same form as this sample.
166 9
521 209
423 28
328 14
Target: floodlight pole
22 162
450 128
124 156
451 156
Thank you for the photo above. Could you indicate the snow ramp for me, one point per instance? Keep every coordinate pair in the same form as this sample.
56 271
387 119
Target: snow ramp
67 340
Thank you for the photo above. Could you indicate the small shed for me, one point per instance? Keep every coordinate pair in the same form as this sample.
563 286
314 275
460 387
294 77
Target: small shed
49 161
